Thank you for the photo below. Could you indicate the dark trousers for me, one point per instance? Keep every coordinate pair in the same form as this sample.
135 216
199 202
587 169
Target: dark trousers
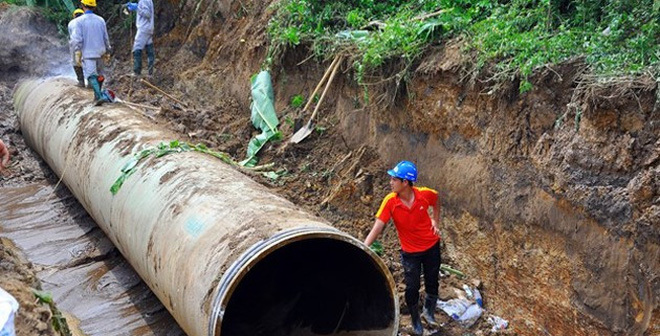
414 264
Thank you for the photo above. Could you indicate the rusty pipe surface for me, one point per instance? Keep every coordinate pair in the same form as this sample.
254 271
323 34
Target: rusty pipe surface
222 253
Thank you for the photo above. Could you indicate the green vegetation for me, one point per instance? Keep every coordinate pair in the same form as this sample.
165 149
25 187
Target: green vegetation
377 247
58 11
297 101
58 320
263 117
508 38
161 150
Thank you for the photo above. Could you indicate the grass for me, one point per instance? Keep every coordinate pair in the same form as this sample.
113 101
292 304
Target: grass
510 38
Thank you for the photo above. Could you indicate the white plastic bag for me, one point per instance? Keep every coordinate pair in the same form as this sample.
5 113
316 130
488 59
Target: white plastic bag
8 308
470 316
498 323
454 307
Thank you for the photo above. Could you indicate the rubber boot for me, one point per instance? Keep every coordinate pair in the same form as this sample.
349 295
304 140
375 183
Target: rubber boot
137 62
418 330
429 311
98 96
151 58
80 76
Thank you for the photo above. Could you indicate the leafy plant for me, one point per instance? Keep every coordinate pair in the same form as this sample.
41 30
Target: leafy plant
377 247
274 175
513 38
159 151
297 101
320 129
58 320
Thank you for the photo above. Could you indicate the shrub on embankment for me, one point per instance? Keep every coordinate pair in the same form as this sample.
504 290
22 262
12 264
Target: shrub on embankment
510 38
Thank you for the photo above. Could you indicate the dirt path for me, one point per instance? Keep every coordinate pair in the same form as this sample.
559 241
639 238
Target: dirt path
17 274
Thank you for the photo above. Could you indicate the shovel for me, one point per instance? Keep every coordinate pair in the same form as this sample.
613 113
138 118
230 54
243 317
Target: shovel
307 129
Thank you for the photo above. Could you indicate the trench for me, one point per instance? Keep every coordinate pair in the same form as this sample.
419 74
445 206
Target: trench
540 214
223 255
89 279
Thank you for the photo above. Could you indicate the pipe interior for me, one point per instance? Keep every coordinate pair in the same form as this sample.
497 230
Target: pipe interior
317 286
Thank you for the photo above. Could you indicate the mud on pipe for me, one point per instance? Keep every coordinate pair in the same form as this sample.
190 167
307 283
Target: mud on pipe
223 254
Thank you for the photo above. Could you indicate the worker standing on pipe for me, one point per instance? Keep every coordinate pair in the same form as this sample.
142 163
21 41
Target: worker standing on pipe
144 38
419 236
74 30
92 48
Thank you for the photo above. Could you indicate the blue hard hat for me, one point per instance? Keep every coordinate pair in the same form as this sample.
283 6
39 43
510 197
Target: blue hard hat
404 170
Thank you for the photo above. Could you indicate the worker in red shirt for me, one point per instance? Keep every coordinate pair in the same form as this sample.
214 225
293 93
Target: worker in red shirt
419 236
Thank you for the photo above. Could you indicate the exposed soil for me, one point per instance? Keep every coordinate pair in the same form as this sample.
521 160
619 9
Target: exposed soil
560 221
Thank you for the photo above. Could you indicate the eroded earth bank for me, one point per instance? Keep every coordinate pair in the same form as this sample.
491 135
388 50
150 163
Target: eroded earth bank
551 198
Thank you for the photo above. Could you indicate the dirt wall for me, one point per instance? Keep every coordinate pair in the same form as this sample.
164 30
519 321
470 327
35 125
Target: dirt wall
547 216
560 220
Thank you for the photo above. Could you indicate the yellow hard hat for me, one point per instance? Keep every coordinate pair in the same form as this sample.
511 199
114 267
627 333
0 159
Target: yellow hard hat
88 3
78 12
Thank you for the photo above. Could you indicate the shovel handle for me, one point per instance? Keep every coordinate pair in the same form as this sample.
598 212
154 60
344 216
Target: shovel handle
318 86
327 86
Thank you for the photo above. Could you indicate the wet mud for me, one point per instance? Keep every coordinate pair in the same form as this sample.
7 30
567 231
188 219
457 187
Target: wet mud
77 263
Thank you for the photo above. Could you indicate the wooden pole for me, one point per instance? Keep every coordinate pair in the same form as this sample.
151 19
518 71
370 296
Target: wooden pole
163 92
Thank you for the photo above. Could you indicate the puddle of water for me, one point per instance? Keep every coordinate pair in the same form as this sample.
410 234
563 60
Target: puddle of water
78 264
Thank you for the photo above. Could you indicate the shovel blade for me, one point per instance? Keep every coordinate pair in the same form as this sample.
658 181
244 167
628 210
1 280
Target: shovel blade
301 134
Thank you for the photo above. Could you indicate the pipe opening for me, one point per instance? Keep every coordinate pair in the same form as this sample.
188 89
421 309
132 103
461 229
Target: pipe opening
318 286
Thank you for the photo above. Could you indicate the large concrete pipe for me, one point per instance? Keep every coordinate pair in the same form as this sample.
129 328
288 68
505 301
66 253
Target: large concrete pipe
223 254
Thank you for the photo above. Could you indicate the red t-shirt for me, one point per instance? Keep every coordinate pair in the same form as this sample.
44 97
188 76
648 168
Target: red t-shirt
412 224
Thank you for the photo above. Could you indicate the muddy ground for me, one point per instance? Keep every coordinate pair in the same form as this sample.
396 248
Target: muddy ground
560 221
19 58
309 180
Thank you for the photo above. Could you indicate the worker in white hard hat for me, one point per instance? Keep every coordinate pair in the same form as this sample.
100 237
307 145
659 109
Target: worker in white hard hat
72 28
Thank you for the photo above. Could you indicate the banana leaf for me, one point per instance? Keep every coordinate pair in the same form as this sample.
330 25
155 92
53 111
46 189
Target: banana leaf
263 117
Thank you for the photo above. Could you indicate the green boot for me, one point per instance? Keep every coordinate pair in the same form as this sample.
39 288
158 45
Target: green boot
98 96
151 58
137 61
